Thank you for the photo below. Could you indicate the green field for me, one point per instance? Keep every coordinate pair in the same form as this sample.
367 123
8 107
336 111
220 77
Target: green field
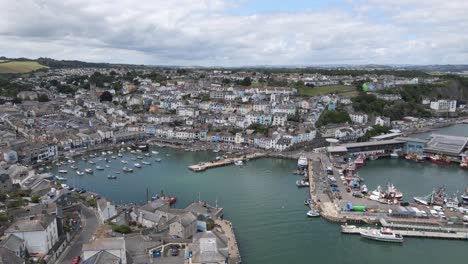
20 66
3 61
343 90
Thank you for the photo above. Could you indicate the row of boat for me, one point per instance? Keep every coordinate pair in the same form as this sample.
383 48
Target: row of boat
438 196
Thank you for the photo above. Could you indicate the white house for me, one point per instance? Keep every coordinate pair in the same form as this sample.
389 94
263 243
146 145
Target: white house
359 118
279 119
106 209
40 233
382 121
444 106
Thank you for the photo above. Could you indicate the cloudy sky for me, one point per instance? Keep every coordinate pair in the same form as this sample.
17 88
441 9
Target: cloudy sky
235 33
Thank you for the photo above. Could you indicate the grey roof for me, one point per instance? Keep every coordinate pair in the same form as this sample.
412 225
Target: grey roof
9 257
12 243
103 257
446 144
209 248
154 205
105 244
372 143
39 223
187 219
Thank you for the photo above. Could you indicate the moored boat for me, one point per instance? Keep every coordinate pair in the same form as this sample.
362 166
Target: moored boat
394 155
63 171
302 162
464 196
111 177
145 162
302 183
383 234
439 160
137 165
238 163
126 169
88 170
99 168
158 160
79 172
313 213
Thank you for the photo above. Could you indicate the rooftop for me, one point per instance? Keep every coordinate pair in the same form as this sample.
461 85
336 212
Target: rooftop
446 144
39 223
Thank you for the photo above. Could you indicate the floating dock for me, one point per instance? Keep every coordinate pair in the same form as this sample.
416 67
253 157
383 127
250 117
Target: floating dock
224 162
349 229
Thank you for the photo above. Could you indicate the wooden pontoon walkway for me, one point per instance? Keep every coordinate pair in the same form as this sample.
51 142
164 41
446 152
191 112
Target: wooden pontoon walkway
223 162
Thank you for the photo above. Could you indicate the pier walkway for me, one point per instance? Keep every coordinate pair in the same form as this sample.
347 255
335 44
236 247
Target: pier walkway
223 162
226 226
412 233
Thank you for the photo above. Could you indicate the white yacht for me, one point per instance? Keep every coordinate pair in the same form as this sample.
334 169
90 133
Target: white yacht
238 163
384 234
302 162
313 213
79 172
137 165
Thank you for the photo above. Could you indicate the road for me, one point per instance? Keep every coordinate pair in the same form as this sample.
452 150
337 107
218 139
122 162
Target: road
90 224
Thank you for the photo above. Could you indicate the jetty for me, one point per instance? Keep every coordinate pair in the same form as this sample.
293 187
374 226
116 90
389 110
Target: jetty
349 229
233 249
224 162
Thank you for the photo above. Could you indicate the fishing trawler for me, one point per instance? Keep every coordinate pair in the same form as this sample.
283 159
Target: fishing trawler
436 197
440 160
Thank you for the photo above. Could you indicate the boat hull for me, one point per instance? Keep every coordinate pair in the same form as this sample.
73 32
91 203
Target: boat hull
381 239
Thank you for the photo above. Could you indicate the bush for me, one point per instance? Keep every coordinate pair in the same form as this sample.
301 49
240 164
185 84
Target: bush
123 229
35 199
91 202
210 224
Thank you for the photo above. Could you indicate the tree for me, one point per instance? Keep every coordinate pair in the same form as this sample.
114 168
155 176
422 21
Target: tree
17 100
43 98
105 96
245 82
333 117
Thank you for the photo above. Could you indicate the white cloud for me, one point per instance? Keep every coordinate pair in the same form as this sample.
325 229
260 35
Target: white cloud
197 32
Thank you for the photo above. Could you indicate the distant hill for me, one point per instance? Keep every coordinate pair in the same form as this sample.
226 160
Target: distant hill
72 64
7 66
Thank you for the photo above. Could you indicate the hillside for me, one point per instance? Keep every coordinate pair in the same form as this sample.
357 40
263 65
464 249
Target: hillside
20 66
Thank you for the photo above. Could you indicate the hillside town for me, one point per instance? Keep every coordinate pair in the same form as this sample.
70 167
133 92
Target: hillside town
72 112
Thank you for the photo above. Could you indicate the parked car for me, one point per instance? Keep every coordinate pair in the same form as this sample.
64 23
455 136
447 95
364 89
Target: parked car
76 260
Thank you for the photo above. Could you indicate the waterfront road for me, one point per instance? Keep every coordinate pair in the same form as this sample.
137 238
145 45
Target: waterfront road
90 224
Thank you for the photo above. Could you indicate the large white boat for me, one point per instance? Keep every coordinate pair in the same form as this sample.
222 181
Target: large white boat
313 213
302 162
154 152
384 234
464 196
239 162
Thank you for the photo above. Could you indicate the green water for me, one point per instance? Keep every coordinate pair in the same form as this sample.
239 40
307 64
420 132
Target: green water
267 209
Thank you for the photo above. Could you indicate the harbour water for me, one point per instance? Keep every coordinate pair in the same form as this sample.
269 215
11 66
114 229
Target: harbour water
267 210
